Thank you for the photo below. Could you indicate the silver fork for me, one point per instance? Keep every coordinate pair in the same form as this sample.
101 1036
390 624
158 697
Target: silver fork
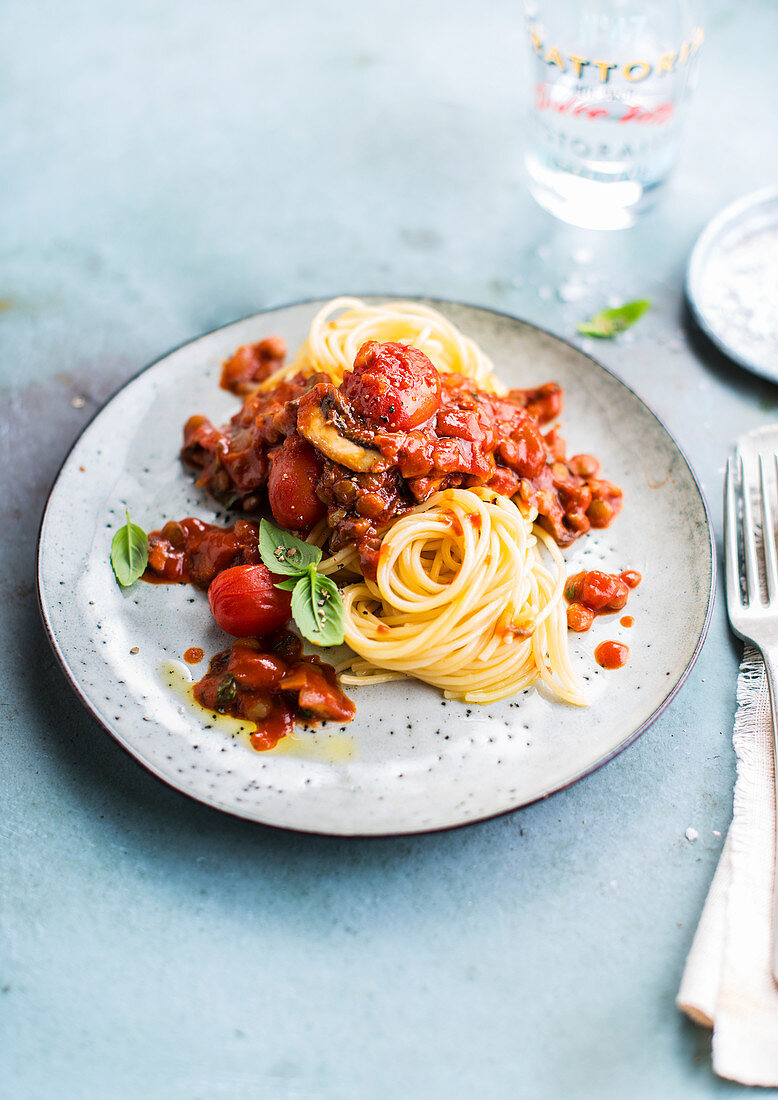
753 575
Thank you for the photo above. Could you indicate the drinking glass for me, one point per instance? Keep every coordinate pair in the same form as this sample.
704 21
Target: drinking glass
610 82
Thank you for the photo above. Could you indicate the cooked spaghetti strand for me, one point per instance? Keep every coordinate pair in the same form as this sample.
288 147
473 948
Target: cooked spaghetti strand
462 600
341 327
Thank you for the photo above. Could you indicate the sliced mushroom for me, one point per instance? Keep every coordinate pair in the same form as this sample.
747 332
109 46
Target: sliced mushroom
326 438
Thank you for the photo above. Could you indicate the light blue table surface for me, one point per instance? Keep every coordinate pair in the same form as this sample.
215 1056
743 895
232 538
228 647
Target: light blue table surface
166 168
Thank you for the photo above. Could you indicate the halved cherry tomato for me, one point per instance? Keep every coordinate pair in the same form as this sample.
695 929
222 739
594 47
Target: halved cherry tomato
598 591
394 386
245 602
294 474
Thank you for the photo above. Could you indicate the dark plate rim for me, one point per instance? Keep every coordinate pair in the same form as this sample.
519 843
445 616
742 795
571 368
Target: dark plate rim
215 805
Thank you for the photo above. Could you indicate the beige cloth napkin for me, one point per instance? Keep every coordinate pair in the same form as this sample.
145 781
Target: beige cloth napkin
727 982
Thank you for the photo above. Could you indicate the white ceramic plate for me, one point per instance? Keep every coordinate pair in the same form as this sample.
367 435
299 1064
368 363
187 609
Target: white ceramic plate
410 762
711 283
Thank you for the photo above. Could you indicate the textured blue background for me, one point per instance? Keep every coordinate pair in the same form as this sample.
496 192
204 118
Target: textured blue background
166 168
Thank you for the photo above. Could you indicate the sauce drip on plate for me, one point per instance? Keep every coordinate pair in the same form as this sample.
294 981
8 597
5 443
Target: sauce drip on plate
611 654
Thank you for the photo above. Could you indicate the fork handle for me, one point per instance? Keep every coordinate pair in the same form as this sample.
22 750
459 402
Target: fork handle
770 657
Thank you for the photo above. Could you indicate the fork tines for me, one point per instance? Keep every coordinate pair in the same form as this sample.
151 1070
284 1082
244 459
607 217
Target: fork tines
750 548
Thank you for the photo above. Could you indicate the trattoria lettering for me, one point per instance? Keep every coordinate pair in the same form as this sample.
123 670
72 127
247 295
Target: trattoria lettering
601 70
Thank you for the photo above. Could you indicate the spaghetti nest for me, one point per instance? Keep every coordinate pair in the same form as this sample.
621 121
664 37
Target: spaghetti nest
462 600
342 326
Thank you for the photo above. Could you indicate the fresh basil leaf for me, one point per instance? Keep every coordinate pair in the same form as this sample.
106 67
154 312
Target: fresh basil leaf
302 606
610 322
282 552
318 609
316 604
329 610
289 584
129 553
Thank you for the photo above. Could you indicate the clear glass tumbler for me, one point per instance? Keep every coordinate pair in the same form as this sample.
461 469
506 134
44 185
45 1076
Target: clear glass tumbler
610 78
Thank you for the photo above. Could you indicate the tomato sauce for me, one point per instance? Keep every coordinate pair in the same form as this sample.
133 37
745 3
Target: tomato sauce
189 551
611 654
592 593
251 364
476 438
417 432
266 681
269 683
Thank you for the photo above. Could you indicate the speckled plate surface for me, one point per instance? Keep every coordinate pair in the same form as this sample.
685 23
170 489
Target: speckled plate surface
410 762
712 281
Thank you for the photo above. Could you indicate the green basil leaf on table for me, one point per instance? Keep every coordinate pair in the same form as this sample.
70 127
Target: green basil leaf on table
318 609
282 552
129 553
610 322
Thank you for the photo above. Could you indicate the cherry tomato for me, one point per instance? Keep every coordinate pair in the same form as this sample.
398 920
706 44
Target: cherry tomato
604 592
294 475
598 591
245 602
631 578
579 618
394 386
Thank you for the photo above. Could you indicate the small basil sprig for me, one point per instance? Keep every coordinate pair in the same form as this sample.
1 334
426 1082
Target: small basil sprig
283 553
610 322
129 553
316 604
